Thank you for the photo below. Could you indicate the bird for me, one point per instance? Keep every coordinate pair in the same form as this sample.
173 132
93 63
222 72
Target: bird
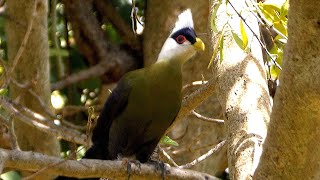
146 101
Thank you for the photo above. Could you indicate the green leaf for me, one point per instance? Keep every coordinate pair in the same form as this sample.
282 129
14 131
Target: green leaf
11 175
216 48
213 18
244 36
269 12
281 27
168 141
284 9
275 72
221 49
3 91
237 39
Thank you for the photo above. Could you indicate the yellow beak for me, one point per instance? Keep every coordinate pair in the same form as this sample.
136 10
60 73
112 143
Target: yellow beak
199 45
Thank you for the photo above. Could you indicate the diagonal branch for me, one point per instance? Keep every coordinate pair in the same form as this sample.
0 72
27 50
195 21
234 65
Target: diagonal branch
41 123
193 100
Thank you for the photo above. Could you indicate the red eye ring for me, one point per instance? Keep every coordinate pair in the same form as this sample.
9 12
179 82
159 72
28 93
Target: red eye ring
181 39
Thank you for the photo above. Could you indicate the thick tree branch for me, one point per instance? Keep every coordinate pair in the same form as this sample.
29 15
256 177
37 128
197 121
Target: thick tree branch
110 169
243 93
103 67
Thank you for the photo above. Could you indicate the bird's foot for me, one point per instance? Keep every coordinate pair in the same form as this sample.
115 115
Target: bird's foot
160 166
129 166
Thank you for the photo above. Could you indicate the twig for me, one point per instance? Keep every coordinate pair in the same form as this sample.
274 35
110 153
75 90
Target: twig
8 123
41 123
194 100
266 22
14 141
37 97
204 156
168 156
92 72
60 66
32 161
194 83
206 118
256 36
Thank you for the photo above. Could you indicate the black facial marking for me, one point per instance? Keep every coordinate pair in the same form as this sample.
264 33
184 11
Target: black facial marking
186 32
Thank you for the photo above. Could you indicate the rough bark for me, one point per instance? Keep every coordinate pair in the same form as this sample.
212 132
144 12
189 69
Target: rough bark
243 93
291 150
31 68
194 136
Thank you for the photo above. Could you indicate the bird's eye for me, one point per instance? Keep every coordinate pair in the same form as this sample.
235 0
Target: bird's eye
181 39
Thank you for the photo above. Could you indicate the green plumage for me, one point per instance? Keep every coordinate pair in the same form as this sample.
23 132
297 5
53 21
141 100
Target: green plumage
146 101
153 103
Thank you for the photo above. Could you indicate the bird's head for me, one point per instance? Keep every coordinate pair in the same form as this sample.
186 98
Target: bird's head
183 42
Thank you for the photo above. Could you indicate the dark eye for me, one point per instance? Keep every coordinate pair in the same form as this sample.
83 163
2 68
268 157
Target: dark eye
181 39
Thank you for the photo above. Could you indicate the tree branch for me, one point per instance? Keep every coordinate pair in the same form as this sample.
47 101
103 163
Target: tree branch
32 161
106 9
103 67
193 100
92 43
41 123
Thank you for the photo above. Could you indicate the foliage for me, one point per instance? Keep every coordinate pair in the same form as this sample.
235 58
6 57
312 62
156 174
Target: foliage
272 15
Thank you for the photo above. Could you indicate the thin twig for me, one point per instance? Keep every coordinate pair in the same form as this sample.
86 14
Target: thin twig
14 139
55 41
206 118
266 22
204 156
41 123
168 156
194 83
256 36
193 100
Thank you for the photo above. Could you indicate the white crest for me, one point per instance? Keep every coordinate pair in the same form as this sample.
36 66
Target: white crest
184 20
171 49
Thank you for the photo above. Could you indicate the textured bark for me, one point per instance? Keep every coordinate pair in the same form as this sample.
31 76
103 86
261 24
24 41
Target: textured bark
291 150
32 68
110 169
244 96
194 136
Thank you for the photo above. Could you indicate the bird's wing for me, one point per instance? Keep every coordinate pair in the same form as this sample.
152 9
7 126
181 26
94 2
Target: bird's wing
113 107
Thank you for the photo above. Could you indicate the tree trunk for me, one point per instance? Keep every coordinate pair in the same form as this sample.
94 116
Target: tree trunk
31 69
291 150
243 93
195 137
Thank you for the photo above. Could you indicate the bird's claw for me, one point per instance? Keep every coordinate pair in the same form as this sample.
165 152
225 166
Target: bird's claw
129 166
160 166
